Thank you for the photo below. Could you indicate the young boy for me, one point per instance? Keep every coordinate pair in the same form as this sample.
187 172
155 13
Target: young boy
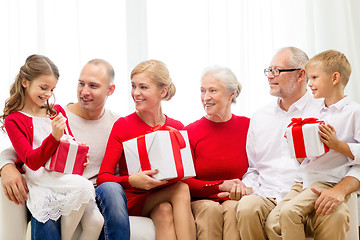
328 74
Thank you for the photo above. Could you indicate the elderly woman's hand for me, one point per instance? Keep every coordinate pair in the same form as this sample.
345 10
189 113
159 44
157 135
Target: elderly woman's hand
142 180
237 192
227 185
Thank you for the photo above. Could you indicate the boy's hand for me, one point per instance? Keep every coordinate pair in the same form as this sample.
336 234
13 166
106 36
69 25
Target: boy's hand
58 126
328 136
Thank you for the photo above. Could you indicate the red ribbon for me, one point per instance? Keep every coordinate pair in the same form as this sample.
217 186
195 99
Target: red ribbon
297 133
177 143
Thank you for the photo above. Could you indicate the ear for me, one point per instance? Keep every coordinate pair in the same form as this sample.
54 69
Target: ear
336 78
163 92
231 96
111 90
301 75
24 82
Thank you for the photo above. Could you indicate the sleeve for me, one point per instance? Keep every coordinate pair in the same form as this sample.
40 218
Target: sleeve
33 158
203 189
355 147
250 178
7 156
113 154
200 188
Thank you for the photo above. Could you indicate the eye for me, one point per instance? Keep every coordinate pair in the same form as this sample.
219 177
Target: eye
93 86
144 87
212 90
202 90
81 84
42 88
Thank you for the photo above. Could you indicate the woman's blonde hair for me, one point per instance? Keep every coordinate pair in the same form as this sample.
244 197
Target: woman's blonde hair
159 73
34 67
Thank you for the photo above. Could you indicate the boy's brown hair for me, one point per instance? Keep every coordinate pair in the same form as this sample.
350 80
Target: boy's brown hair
332 61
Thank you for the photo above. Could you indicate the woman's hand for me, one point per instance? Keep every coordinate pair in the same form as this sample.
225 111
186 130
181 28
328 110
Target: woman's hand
227 185
237 192
58 126
143 180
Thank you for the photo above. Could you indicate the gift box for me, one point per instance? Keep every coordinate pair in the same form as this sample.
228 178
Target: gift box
165 149
69 157
304 138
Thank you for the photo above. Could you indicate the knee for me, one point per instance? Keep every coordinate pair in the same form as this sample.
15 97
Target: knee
163 213
247 208
209 208
110 188
182 192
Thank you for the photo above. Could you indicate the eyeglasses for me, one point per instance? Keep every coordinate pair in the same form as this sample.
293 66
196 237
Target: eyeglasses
276 72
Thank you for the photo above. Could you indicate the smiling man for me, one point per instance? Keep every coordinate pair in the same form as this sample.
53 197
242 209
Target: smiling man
91 123
272 171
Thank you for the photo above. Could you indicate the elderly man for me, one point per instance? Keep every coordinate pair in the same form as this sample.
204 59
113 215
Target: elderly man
271 171
91 123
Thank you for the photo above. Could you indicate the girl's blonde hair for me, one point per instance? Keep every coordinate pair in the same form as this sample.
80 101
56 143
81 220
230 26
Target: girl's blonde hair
34 67
159 73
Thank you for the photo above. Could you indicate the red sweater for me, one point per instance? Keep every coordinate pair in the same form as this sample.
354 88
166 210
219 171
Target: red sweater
20 130
124 129
219 151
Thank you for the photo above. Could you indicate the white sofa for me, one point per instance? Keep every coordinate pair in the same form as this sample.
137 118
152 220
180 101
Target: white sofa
14 225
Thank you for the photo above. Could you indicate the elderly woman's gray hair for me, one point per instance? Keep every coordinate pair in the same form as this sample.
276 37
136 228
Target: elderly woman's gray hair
227 77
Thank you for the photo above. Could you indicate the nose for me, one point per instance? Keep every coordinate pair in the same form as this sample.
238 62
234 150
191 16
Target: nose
85 90
206 96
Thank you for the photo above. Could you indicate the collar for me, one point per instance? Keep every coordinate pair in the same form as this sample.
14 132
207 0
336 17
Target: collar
299 104
338 105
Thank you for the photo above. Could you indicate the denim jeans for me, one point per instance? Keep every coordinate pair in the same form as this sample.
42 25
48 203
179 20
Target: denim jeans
111 200
44 231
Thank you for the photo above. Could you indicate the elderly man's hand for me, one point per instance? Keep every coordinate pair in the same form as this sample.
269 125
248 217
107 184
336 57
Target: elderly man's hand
328 200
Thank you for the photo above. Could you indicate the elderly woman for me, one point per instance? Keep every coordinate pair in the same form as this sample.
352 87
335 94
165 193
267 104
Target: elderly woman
218 143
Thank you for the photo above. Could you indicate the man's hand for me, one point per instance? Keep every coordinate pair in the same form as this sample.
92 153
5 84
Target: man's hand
328 200
14 184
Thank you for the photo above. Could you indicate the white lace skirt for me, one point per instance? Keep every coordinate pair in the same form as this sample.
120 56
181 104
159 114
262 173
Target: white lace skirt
53 194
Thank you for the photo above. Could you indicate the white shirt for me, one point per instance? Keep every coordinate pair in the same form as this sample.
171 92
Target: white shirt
271 170
332 166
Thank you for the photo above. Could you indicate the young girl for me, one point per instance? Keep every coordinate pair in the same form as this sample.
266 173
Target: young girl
35 128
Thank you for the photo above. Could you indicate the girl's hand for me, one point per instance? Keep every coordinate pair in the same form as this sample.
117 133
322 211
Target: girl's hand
142 180
58 126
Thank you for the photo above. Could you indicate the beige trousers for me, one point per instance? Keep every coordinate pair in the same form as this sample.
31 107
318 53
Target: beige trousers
251 214
294 218
215 221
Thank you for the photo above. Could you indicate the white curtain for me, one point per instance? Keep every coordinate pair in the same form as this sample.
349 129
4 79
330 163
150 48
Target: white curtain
187 35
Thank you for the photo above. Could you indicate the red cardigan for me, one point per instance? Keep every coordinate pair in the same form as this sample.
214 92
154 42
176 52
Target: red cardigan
124 129
219 151
20 130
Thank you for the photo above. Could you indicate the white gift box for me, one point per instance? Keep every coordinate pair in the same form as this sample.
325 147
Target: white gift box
304 140
162 153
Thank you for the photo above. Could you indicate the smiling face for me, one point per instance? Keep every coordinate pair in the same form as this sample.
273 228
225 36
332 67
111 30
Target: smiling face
320 81
146 94
38 91
284 85
94 87
215 98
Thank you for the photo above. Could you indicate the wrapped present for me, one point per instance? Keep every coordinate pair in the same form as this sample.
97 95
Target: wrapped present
304 138
69 157
165 149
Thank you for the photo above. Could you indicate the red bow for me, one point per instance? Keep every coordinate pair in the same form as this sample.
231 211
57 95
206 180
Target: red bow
177 143
300 121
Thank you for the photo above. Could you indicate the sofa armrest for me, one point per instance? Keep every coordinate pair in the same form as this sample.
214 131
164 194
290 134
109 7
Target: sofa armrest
13 218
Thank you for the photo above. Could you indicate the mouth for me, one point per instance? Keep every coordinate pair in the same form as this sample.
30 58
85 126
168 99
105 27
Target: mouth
43 99
272 84
208 105
139 100
86 100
